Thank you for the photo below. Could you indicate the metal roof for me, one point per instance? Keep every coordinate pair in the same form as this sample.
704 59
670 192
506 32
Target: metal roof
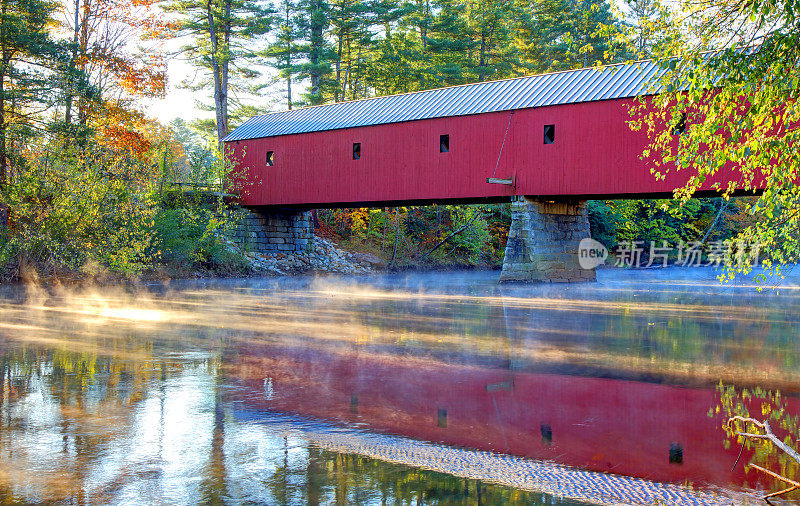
567 87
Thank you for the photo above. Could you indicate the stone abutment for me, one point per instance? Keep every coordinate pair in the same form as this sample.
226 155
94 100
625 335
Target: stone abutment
270 231
543 242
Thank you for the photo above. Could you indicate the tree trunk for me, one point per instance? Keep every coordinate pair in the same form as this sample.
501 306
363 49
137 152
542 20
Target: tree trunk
354 85
289 90
71 84
339 52
482 59
226 66
84 44
3 157
396 235
317 41
220 76
289 38
423 29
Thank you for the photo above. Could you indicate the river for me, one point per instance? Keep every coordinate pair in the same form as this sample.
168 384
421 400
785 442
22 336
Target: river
425 388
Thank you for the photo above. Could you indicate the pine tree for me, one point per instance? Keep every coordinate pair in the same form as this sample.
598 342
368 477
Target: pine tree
283 54
540 34
315 52
593 34
645 23
393 56
496 55
449 45
223 34
26 50
374 41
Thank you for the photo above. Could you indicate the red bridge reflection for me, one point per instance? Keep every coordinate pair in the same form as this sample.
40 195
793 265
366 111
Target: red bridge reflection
647 430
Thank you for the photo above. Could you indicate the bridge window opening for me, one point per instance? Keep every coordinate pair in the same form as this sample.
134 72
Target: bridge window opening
547 434
441 417
680 125
444 143
356 151
270 158
549 134
675 453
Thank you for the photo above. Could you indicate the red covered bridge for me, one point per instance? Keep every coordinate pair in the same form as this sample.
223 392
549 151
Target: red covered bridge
561 137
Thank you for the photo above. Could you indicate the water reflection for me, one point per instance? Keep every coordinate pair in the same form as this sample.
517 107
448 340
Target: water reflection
431 388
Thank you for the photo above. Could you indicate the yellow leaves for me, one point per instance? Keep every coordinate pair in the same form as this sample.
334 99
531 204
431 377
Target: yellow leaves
127 130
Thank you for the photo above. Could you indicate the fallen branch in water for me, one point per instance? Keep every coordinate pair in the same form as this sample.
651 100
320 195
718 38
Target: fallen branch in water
770 436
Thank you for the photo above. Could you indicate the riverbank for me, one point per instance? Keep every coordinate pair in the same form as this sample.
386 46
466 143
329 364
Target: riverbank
325 257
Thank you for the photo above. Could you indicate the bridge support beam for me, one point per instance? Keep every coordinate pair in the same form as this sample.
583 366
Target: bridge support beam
275 231
543 242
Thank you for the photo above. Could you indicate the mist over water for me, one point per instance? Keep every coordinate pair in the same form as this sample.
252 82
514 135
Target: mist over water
434 387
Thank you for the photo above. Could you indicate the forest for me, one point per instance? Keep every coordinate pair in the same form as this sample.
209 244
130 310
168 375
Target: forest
91 185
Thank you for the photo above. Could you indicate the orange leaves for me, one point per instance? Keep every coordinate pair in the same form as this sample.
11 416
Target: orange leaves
120 138
108 32
125 130
147 78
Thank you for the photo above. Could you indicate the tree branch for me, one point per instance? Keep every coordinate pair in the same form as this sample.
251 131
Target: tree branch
770 436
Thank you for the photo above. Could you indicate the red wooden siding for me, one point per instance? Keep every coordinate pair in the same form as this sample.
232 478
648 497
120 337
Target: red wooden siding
595 154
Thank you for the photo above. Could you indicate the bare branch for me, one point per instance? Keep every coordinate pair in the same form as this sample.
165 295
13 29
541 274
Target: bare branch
771 437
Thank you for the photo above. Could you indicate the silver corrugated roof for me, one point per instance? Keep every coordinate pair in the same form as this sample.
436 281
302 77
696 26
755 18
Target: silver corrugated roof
568 87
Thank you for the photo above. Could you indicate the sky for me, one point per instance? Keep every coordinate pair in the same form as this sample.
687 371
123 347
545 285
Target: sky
179 102
184 103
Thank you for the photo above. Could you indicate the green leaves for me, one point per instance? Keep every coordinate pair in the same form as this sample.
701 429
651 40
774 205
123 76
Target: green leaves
741 103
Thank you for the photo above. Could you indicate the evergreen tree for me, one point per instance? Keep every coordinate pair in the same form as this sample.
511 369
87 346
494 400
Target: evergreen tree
493 54
397 56
448 44
375 42
222 33
26 51
593 35
316 52
646 23
349 27
283 54
541 30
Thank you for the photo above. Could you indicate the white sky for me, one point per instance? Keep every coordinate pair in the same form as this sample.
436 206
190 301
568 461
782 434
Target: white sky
183 103
179 102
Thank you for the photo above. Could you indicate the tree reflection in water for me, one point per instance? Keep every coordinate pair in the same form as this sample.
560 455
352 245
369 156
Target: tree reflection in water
120 397
78 427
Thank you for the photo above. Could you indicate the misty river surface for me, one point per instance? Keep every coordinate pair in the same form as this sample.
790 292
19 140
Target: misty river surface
422 388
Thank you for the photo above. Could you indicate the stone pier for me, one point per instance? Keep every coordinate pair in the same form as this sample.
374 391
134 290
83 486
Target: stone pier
272 231
543 242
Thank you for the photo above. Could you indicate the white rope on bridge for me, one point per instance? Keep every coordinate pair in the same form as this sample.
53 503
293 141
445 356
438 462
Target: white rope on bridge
502 145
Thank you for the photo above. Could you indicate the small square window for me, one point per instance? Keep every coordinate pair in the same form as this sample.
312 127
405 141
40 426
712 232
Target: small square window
441 417
675 453
270 158
549 134
444 143
547 434
356 151
680 125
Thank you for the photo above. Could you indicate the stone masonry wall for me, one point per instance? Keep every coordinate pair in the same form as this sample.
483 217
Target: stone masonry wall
275 231
8 271
543 242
